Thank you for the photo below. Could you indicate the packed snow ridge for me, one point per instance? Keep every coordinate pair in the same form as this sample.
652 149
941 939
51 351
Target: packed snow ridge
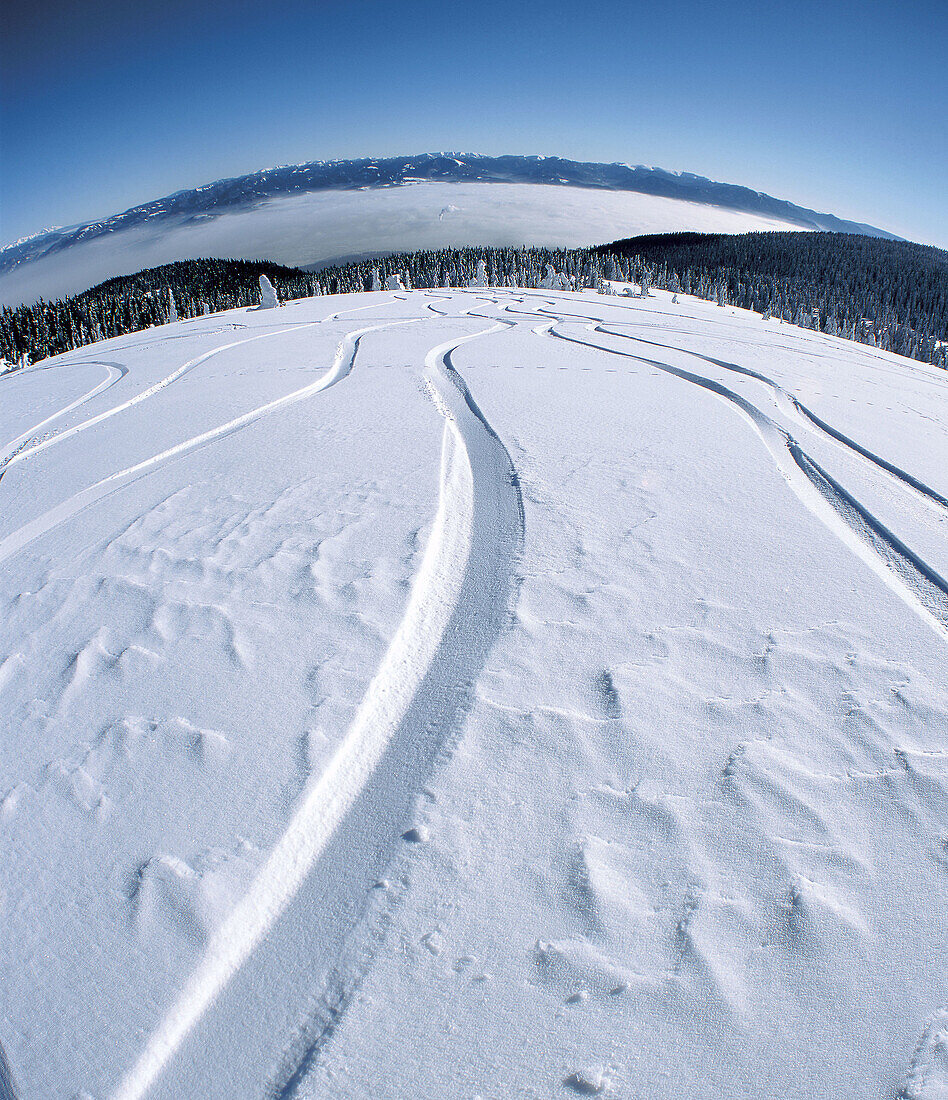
478 692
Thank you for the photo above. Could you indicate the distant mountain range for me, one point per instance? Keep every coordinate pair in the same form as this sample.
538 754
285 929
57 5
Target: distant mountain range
195 209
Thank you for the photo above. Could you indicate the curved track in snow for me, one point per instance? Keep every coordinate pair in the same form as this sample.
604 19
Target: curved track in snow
788 404
920 586
72 506
19 448
295 918
903 571
144 394
15 451
794 408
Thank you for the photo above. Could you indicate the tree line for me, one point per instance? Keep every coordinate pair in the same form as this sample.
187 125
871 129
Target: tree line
890 294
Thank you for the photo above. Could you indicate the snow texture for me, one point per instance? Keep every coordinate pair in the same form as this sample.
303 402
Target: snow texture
474 693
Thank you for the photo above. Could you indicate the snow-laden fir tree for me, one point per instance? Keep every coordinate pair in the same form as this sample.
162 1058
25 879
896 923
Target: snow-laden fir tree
172 306
268 296
376 282
480 279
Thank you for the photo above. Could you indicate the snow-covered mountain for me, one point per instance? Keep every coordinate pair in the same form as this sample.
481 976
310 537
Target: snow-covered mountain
311 213
474 693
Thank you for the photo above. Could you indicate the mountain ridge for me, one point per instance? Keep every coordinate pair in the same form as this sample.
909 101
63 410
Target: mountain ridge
246 191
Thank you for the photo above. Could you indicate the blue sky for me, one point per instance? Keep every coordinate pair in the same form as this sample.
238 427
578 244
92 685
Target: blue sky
840 106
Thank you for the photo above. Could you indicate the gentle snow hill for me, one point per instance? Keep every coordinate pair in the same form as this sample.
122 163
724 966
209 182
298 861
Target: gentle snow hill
314 213
474 693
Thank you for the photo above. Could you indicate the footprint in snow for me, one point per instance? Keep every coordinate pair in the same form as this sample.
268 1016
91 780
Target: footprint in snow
587 1082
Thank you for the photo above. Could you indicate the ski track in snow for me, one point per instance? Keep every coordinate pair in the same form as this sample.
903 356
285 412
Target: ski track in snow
17 449
139 397
792 407
7 1091
72 506
785 401
312 889
903 571
15 452
311 892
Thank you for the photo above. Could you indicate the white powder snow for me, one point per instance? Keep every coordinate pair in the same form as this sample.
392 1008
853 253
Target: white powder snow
474 692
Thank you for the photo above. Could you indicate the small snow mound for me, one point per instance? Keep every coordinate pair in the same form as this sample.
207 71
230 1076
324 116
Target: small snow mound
12 799
433 942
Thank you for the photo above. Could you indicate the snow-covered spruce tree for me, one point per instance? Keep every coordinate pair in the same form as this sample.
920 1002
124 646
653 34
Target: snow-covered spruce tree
268 297
172 307
376 282
480 279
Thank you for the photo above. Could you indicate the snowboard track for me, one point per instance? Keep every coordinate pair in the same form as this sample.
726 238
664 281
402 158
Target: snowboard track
923 589
20 448
342 364
7 1089
785 400
314 887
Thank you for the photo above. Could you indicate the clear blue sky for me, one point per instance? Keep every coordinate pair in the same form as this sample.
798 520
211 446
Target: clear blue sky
838 105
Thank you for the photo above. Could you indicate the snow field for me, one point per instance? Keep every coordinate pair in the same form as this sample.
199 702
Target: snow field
474 693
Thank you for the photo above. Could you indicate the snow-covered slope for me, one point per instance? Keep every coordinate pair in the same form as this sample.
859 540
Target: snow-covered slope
489 693
307 214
